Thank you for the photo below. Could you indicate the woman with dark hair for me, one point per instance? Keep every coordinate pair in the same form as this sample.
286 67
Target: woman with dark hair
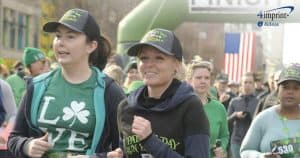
275 132
70 111
164 118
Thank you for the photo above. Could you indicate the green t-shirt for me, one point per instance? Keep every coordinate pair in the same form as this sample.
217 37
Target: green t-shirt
67 113
216 114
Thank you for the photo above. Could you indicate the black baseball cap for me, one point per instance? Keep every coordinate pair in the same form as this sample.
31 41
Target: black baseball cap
161 39
78 20
131 65
290 73
222 77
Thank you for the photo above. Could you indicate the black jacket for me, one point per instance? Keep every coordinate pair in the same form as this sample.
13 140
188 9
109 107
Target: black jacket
179 124
246 104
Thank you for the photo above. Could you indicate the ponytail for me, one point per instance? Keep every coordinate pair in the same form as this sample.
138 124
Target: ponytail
101 54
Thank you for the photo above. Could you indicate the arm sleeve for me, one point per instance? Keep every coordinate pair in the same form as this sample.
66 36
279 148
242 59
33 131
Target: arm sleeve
251 143
19 135
9 103
113 96
231 112
196 139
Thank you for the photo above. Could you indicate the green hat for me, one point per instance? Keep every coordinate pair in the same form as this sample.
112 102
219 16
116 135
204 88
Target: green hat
32 55
290 73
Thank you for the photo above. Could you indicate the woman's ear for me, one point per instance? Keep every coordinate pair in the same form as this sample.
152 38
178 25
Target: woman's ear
92 46
180 70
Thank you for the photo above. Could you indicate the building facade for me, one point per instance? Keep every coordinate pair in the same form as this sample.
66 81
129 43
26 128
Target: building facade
19 27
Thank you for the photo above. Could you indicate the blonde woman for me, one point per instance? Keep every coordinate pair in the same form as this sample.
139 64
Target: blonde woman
164 118
198 74
115 72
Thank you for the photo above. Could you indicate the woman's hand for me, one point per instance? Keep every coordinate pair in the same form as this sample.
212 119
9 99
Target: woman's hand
79 156
117 153
224 97
37 147
141 127
240 114
270 155
218 152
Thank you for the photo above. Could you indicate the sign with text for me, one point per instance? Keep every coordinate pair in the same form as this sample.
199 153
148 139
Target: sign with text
230 6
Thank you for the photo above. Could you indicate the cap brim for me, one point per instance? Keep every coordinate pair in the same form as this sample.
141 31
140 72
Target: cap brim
222 80
52 26
287 79
135 49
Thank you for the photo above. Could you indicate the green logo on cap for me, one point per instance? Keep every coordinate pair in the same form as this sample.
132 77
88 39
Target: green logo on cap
72 15
292 73
156 36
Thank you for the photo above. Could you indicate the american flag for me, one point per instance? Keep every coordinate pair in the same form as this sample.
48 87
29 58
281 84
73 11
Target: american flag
239 54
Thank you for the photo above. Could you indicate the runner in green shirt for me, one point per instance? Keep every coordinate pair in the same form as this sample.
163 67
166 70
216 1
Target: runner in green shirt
70 111
198 74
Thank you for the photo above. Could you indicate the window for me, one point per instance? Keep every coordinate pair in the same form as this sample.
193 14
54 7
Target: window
5 36
15 31
8 30
12 28
22 31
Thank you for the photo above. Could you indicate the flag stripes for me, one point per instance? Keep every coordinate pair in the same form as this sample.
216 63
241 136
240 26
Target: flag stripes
239 54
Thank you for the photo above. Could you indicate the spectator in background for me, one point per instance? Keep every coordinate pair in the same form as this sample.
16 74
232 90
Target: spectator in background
164 118
266 86
35 61
275 132
272 98
47 64
134 85
221 84
115 59
258 83
115 72
17 82
233 88
131 74
233 91
3 71
7 102
269 99
198 74
8 111
240 113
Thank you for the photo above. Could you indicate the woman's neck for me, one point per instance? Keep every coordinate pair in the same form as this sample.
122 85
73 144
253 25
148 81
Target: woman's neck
76 75
203 98
289 112
157 91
